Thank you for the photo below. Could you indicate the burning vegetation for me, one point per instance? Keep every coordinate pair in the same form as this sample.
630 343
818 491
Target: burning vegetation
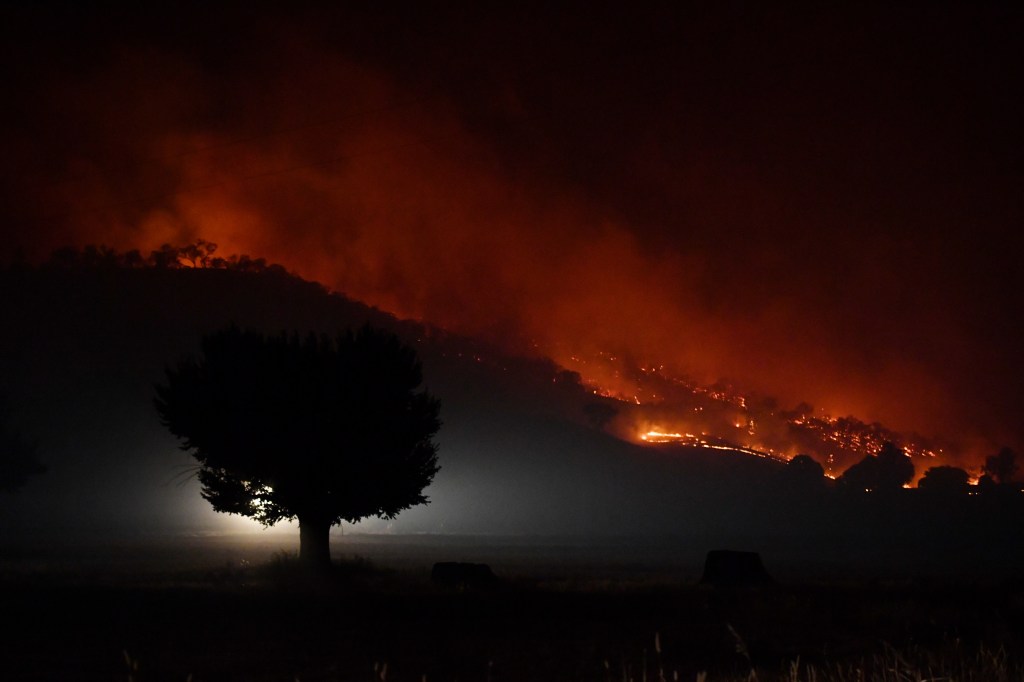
659 407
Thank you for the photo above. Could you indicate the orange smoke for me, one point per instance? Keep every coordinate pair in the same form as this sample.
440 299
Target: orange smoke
389 196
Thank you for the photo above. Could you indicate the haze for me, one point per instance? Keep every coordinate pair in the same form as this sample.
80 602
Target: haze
820 206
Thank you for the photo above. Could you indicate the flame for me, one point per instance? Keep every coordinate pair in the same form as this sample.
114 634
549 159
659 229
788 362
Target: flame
724 418
656 437
662 437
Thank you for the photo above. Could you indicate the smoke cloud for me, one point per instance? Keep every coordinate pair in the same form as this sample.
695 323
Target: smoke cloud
663 205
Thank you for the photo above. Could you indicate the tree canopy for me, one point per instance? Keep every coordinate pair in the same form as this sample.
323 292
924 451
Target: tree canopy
889 470
314 428
1001 467
945 480
803 472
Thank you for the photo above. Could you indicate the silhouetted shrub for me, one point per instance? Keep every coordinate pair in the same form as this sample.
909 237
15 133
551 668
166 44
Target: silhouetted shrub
889 470
804 473
945 480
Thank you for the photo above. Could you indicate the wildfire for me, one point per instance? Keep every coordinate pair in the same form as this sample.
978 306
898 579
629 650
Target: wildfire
656 405
666 409
662 437
702 441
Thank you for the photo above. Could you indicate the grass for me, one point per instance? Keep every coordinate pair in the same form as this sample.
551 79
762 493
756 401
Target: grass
371 622
912 665
952 663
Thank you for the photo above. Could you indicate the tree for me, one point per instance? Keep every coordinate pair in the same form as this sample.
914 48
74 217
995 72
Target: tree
895 468
18 455
889 470
198 254
861 476
165 257
1001 467
320 429
803 473
945 480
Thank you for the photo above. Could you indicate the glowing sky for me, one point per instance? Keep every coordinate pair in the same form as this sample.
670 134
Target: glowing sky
821 206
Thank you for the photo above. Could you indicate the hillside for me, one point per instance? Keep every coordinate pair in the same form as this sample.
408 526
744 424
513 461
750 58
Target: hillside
520 453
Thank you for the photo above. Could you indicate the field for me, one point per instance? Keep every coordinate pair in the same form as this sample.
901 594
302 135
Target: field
238 608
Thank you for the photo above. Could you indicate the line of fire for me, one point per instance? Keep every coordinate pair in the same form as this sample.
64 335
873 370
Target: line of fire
655 407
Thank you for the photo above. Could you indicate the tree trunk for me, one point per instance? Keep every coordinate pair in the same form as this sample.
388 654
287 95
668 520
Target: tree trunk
314 544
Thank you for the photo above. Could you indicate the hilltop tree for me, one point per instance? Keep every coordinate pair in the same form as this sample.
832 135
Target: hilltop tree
318 429
18 455
198 254
889 470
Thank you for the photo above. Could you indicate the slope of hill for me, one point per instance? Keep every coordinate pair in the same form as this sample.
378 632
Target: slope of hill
519 455
521 451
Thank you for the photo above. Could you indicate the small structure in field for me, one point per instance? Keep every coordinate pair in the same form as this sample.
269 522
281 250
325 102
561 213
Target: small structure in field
727 568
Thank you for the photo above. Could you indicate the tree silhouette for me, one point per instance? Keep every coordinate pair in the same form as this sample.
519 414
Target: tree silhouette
315 429
889 470
18 460
895 468
803 472
198 254
945 480
861 476
1001 467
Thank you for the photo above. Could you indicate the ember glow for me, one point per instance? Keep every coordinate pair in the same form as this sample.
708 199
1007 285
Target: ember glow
662 437
694 441
649 216
657 407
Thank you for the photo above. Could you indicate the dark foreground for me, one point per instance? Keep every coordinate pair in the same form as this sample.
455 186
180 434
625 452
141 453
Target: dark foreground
241 620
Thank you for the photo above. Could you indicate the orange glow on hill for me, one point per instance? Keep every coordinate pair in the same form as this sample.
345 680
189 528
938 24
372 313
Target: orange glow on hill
394 198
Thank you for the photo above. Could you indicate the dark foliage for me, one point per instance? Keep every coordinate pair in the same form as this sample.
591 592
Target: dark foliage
945 480
18 455
1002 467
889 470
803 472
316 429
196 255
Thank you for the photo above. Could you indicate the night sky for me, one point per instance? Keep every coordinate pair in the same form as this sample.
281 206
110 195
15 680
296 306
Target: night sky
820 205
